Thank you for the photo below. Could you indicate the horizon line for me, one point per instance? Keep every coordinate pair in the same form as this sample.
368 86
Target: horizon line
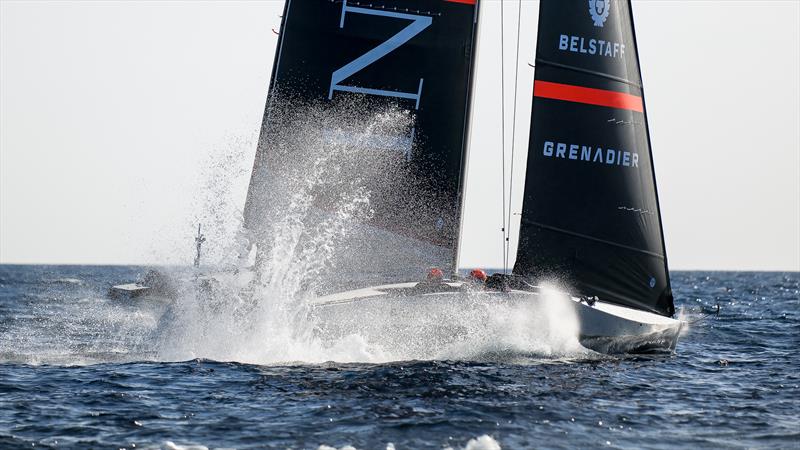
793 270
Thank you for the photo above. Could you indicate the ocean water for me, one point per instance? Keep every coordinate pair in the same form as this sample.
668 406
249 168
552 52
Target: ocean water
80 370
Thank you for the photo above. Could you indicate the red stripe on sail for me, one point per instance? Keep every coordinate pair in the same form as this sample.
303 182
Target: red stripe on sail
589 96
466 2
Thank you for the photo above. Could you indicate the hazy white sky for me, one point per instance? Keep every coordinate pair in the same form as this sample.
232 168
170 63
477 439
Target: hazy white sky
115 116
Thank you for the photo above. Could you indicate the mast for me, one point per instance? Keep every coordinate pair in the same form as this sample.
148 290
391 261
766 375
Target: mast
591 218
467 139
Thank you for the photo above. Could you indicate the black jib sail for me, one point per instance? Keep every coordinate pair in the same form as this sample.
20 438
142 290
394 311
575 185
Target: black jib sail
410 55
590 213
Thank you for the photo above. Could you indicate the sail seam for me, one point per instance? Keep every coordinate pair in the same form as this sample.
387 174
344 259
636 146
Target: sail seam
592 238
587 71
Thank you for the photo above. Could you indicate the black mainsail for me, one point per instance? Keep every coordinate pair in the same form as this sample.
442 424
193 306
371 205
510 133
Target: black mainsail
590 213
409 54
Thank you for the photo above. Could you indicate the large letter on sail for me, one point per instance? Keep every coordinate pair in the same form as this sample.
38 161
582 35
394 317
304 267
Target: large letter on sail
418 23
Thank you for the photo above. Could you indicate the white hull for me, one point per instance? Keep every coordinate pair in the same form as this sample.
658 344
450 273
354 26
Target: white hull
401 310
128 291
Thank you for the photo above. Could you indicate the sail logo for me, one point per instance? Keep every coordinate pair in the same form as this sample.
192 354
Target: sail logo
599 9
575 152
417 24
579 44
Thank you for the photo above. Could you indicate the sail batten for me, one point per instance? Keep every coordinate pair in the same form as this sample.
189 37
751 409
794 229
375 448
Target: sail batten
592 238
544 62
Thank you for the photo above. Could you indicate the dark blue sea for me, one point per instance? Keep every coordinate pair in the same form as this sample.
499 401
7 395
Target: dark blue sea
81 370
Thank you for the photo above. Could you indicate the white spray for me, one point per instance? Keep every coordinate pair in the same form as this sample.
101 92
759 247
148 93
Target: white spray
320 177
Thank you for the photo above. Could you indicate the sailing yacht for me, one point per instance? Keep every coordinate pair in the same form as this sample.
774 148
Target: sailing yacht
590 222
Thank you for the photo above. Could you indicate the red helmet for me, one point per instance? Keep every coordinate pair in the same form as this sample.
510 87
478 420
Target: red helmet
435 274
477 274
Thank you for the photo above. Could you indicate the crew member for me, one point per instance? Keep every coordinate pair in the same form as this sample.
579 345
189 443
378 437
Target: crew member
433 282
477 278
435 275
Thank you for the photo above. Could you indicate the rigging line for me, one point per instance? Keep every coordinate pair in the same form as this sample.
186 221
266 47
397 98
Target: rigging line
513 139
503 132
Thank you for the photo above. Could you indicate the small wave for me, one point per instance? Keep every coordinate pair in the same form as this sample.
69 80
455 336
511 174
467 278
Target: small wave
169 445
484 442
69 281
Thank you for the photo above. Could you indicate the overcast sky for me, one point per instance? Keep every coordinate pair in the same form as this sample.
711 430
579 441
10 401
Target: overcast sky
120 120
